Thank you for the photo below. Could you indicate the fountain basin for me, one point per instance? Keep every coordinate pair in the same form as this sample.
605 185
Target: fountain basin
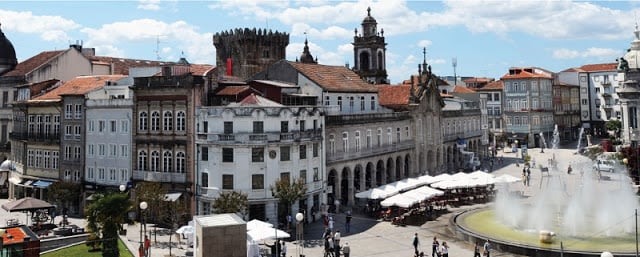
480 224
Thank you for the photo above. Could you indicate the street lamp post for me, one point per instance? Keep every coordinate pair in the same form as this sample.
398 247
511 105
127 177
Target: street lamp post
300 233
142 249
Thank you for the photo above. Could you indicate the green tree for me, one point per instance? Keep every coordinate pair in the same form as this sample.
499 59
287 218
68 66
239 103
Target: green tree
288 192
104 217
231 202
153 193
615 126
63 193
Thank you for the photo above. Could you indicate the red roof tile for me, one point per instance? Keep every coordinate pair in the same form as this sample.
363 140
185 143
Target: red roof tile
201 69
494 85
78 86
522 74
462 89
478 80
394 96
122 65
599 67
334 78
32 63
233 90
256 100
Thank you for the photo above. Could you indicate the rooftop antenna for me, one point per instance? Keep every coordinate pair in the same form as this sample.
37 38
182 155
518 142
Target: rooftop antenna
454 62
158 48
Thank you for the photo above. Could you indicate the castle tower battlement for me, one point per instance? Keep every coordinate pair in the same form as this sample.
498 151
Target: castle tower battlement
249 50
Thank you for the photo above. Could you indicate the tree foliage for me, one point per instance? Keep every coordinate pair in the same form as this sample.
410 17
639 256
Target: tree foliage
613 125
288 192
63 193
104 216
153 193
231 202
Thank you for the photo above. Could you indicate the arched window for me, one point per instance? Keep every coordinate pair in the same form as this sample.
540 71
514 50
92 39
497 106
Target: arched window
380 61
332 144
155 121
364 61
142 160
181 121
155 161
168 121
143 121
345 142
180 162
167 161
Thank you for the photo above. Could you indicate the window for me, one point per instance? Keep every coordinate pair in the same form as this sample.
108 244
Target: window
316 149
327 101
124 150
496 97
357 141
77 153
227 154
389 137
67 152
77 131
228 127
258 127
101 174
181 121
316 175
78 111
68 111
362 103
113 150
204 179
155 161
204 153
38 158
407 132
30 158
332 144
303 126
143 121
142 160
379 137
285 152
303 152
368 138
303 176
351 104
257 181
102 126
101 149
55 159
340 102
47 160
56 125
113 174
345 142
91 125
373 103
68 130
124 126
398 136
155 121
124 175
285 176
113 126
284 127
227 182
205 126
167 161
168 121
90 172
257 154
180 168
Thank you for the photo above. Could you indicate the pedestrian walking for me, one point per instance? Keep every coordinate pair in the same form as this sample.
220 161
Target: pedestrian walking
284 249
444 250
347 222
331 224
487 248
346 250
416 242
476 250
336 237
434 247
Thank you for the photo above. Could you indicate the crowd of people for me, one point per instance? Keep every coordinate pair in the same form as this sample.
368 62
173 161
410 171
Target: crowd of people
442 249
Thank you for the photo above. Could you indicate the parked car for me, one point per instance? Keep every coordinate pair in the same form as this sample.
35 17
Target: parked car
604 165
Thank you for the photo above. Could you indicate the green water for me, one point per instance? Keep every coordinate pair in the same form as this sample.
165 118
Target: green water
484 223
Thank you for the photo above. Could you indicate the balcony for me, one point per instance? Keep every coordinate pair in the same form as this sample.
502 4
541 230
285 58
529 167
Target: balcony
36 137
338 120
369 152
308 135
163 177
606 83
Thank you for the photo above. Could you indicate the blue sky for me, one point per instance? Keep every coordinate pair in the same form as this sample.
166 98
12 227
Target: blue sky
486 37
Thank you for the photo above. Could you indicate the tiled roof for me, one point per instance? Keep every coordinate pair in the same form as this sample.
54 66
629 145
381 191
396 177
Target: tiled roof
256 100
201 69
599 67
32 63
394 96
232 90
462 89
522 74
478 80
493 85
78 86
334 78
122 65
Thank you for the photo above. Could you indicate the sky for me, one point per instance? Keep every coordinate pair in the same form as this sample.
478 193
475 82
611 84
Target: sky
485 38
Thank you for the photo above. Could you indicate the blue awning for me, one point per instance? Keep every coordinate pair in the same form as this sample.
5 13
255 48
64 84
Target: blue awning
42 183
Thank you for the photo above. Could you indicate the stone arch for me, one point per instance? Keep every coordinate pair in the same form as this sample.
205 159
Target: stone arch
399 166
332 178
380 60
365 63
370 176
358 178
346 187
407 165
389 172
380 178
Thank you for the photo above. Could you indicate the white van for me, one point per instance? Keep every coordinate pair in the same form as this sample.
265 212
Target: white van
604 165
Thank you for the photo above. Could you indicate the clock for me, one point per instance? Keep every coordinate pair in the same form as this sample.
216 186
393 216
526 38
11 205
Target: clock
272 154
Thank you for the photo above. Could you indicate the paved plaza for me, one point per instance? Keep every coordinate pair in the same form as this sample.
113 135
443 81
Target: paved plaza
370 237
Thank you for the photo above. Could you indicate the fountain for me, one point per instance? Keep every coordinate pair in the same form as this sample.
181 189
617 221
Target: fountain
544 142
579 139
581 211
555 141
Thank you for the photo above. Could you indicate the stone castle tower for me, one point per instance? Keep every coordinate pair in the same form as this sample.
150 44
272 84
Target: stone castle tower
369 52
245 52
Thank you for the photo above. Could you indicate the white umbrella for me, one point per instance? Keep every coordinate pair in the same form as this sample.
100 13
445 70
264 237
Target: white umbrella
184 230
506 178
400 200
254 223
267 233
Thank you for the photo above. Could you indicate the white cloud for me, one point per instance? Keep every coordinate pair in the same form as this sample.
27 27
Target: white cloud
593 52
151 5
180 35
49 28
424 43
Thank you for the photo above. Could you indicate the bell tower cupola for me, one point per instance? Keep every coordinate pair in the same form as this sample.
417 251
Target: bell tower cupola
369 51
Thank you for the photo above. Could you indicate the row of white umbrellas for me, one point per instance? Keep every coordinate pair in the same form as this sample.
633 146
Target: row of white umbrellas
260 230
